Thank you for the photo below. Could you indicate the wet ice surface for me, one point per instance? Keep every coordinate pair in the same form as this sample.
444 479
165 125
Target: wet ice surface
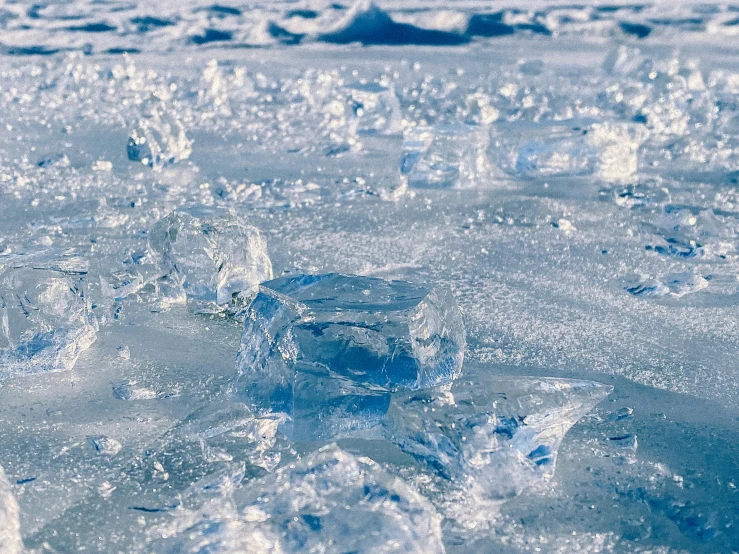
577 198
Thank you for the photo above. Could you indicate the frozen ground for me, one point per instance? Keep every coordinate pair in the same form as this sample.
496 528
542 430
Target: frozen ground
569 172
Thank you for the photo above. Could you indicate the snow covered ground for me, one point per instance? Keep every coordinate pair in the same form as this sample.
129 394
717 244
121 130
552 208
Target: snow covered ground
569 173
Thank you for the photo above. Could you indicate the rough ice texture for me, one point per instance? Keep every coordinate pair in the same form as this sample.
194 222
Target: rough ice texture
158 138
10 528
45 321
327 350
329 502
487 439
451 156
212 253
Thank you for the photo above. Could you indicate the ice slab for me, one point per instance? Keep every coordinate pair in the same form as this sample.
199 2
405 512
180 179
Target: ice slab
327 350
487 438
212 253
376 109
445 156
566 148
10 528
45 321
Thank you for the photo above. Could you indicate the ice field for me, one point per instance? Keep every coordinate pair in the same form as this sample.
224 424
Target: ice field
403 276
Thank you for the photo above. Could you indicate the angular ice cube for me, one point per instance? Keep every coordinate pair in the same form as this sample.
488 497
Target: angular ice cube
214 254
446 156
486 439
45 321
332 501
376 109
327 350
566 148
10 528
158 139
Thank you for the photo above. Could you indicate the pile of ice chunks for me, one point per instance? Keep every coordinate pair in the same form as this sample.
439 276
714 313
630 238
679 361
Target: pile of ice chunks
328 350
210 254
10 528
45 320
337 356
330 501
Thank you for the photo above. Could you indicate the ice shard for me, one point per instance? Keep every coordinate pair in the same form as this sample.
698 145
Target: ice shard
327 350
45 321
10 528
211 252
486 439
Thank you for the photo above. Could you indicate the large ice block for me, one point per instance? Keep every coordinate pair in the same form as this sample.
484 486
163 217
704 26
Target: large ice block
488 438
45 321
10 528
327 350
212 252
445 156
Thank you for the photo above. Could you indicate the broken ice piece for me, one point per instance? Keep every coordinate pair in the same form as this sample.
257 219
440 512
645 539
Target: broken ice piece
10 528
675 285
45 321
104 445
132 391
327 350
158 139
486 439
566 148
213 253
446 156
376 109
334 498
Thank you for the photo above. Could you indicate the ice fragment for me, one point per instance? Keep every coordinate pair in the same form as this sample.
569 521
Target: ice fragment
10 528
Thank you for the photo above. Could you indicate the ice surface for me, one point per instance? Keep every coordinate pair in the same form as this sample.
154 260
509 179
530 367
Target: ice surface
328 349
444 157
45 320
10 529
488 438
213 253
328 502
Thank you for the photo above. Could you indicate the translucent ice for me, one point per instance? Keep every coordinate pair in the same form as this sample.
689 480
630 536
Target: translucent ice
327 350
10 528
672 284
214 254
451 156
158 139
486 439
332 501
376 109
566 148
45 321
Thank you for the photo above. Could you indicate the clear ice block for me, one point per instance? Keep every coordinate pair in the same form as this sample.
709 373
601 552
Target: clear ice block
213 253
445 156
10 528
486 439
328 350
376 109
566 149
45 321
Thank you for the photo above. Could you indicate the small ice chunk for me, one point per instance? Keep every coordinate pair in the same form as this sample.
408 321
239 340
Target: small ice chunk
45 321
566 148
446 156
132 391
334 498
213 253
486 439
327 350
104 445
10 527
158 139
376 109
676 285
